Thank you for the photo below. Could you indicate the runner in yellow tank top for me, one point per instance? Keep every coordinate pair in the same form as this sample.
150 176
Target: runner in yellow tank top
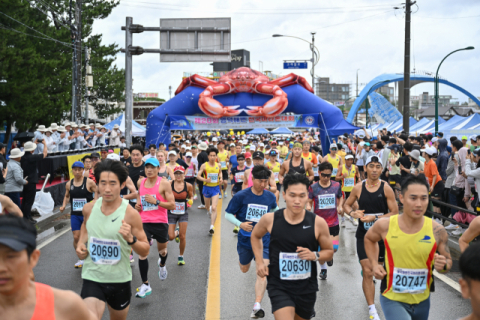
307 155
348 175
411 242
334 159
274 165
223 158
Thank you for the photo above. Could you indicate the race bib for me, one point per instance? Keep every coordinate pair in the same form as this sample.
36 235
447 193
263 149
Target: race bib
326 201
334 172
104 251
315 171
147 206
368 225
77 204
275 175
239 177
223 164
190 173
413 281
255 212
348 182
213 177
294 268
179 208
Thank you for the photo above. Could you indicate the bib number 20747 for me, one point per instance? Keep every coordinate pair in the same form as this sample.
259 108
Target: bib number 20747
294 268
411 281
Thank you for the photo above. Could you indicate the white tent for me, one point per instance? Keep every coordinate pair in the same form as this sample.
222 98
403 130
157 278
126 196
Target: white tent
137 129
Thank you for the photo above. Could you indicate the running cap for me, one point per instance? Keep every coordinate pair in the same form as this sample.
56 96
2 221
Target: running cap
367 144
188 154
374 159
113 156
361 144
16 233
297 145
172 152
430 151
464 138
214 139
252 148
435 139
153 161
333 145
306 142
261 144
348 156
221 142
273 153
361 135
473 138
248 155
259 155
179 168
183 146
78 164
232 144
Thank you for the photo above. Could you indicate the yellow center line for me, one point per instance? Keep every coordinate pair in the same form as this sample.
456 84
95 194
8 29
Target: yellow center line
212 311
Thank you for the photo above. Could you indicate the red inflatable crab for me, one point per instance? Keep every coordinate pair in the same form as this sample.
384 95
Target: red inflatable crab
243 79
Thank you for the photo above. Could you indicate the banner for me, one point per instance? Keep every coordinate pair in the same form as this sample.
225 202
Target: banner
243 122
78 157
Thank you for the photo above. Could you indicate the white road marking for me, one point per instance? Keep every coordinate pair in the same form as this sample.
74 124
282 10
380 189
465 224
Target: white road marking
447 280
61 233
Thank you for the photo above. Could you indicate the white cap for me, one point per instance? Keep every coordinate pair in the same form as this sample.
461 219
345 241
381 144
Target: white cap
188 141
113 156
252 147
430 151
280 143
435 139
172 152
371 159
214 139
188 148
473 137
183 146
333 145
232 144
348 156
361 134
261 144
188 154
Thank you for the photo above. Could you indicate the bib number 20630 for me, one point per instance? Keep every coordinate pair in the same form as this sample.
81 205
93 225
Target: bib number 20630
294 268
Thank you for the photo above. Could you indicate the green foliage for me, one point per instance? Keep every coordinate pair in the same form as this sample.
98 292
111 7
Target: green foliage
149 99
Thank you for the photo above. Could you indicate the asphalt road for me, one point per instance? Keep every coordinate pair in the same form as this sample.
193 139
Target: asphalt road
183 295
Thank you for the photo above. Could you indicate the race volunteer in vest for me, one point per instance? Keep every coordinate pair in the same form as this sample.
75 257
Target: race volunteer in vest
183 194
223 158
210 173
20 297
296 164
375 200
237 175
334 159
248 177
348 176
154 198
274 166
295 237
78 191
110 229
325 197
244 211
414 245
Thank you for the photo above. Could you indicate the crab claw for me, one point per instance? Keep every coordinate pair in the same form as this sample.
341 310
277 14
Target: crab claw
231 111
255 111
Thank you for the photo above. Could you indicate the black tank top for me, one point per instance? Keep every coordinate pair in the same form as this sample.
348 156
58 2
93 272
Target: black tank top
79 196
296 170
180 197
285 238
375 202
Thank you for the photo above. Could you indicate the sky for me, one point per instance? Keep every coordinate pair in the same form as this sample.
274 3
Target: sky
350 35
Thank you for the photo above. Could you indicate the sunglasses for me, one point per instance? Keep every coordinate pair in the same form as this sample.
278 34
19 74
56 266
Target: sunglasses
326 175
333 149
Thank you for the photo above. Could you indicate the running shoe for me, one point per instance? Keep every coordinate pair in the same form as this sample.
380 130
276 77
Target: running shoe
131 259
151 242
355 222
177 238
225 194
374 315
162 272
202 206
195 197
212 231
458 232
452 226
323 275
220 196
342 222
79 264
257 311
181 262
143 291
330 263
236 230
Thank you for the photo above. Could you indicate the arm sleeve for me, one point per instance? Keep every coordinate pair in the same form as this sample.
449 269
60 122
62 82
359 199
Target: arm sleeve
231 218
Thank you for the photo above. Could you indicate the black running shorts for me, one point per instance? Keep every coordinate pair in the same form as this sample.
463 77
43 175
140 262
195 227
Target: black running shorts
362 255
335 230
157 231
116 295
225 175
304 304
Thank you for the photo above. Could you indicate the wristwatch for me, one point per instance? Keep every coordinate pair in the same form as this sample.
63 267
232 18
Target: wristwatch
133 241
158 202
317 256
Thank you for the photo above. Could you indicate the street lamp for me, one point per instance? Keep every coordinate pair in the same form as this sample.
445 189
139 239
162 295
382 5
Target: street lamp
366 100
312 47
436 86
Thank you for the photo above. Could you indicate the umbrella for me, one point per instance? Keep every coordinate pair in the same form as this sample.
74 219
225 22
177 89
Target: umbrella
24 136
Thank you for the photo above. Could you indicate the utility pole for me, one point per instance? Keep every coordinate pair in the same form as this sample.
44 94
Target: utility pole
88 81
73 36
78 54
406 72
313 61
128 82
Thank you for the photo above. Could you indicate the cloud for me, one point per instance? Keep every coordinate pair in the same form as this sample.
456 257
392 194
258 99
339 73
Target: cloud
350 35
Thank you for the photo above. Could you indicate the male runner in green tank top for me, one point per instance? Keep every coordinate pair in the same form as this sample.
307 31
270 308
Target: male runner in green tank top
110 228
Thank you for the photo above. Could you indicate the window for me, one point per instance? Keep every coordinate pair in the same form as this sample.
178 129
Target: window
333 88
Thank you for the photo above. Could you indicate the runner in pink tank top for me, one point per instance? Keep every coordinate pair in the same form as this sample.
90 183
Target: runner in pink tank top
152 213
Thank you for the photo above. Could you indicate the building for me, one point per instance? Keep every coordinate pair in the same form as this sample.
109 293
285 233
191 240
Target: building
446 112
387 91
335 93
141 110
426 100
471 103
239 58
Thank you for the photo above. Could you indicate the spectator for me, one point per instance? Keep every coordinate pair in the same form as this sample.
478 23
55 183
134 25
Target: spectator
38 138
73 135
14 180
434 179
417 166
464 141
3 167
55 136
450 172
394 175
473 171
115 136
124 145
29 166
442 159
473 143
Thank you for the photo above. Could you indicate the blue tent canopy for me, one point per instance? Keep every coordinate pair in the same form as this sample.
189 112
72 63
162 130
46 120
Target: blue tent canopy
341 128
469 126
281 131
419 124
258 131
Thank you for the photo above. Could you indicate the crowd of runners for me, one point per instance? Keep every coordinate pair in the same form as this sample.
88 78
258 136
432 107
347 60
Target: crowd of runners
287 202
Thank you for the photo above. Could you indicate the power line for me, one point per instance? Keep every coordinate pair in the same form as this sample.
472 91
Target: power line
52 10
31 35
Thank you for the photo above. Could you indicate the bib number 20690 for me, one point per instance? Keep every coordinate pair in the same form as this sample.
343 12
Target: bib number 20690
104 251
